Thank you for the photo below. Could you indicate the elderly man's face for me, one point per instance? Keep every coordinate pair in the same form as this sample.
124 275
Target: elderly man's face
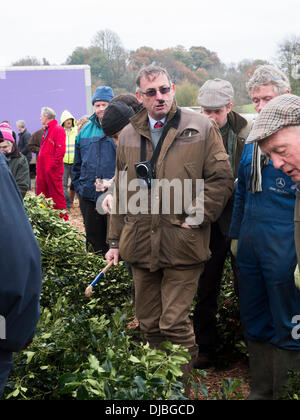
44 120
158 105
20 128
283 148
262 95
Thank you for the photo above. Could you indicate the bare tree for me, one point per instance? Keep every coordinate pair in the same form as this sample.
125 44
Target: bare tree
117 57
289 61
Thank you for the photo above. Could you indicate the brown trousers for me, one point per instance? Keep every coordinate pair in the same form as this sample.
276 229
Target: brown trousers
163 302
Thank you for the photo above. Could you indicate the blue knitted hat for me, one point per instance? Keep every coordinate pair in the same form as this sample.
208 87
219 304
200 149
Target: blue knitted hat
103 93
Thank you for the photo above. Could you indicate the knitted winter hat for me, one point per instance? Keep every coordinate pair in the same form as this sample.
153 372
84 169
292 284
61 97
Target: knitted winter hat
116 117
103 93
6 133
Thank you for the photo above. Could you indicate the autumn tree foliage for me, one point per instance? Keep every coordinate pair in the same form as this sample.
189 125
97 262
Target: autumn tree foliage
111 64
193 65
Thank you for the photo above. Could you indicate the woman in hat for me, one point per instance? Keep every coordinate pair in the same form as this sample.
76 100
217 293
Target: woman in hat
16 161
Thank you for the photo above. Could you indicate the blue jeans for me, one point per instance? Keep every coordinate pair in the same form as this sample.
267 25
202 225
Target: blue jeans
6 362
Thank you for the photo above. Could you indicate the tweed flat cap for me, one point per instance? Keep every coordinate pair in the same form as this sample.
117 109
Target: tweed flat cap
215 94
282 111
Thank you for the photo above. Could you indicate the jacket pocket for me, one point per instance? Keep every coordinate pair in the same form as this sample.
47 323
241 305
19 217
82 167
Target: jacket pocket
181 246
220 156
127 239
135 240
192 245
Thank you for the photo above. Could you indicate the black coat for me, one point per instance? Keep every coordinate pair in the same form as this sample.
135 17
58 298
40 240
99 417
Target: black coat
23 145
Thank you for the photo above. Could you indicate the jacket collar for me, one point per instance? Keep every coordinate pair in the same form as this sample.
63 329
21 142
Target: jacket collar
140 120
52 123
24 132
95 120
236 122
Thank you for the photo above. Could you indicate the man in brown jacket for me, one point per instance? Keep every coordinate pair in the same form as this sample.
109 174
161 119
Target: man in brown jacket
164 232
34 143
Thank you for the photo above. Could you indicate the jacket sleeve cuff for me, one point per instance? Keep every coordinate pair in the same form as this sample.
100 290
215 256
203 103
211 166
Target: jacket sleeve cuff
113 243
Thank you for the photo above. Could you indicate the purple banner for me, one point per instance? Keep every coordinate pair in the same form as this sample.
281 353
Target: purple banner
24 92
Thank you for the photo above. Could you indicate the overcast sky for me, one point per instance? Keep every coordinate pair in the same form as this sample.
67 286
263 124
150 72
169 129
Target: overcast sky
234 29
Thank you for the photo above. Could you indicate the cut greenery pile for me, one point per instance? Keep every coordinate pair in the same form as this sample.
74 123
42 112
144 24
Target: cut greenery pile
83 348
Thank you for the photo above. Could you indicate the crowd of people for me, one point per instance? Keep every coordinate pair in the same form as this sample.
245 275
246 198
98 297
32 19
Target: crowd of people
175 246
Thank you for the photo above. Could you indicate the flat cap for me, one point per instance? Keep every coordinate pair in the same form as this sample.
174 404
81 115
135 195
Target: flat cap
280 112
215 94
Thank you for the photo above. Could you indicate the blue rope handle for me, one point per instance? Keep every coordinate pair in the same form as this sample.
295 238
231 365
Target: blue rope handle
99 277
101 274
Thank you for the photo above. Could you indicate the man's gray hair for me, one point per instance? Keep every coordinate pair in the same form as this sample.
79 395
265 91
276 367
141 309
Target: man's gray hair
151 70
21 123
48 112
269 75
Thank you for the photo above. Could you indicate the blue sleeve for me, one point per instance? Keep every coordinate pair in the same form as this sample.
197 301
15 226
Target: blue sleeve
76 164
239 199
20 268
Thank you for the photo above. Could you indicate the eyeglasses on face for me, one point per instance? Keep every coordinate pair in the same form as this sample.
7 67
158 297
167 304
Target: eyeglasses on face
150 93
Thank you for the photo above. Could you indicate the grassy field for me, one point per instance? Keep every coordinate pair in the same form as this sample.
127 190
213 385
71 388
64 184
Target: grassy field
245 109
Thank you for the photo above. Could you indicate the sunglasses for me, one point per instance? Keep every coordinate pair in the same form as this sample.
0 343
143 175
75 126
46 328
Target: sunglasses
150 93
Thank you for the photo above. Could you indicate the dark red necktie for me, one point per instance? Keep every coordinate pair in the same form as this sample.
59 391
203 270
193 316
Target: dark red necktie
159 124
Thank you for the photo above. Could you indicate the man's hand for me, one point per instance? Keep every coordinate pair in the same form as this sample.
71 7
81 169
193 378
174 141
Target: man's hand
102 184
112 254
107 203
186 226
297 277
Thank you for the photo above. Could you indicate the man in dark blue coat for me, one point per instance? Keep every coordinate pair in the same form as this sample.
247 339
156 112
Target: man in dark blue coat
24 137
20 274
263 224
95 158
